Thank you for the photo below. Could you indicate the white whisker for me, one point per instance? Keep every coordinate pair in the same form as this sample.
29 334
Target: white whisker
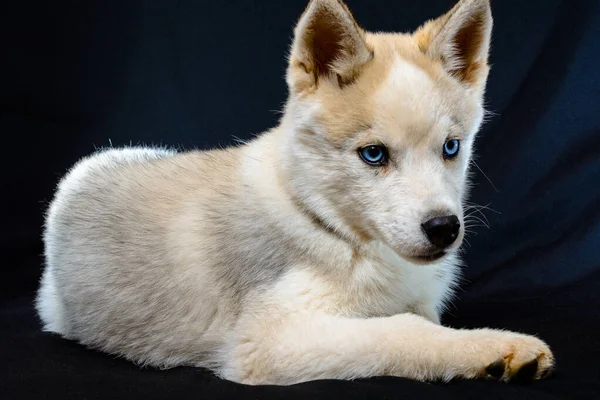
486 177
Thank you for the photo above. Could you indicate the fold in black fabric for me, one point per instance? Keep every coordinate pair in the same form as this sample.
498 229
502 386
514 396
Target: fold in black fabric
79 75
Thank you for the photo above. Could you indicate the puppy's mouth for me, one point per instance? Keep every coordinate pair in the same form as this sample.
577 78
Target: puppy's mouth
426 258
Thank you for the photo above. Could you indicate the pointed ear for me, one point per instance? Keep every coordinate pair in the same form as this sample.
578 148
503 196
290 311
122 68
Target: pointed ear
460 40
328 44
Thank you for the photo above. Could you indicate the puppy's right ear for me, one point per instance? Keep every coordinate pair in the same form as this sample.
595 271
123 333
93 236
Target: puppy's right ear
328 45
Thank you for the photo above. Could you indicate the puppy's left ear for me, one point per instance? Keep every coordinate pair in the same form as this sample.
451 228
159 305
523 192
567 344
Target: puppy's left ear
460 40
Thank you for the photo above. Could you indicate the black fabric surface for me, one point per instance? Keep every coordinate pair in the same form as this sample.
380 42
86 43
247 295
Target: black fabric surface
74 75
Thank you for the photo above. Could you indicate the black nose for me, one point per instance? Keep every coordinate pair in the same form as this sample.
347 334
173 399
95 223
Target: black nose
442 231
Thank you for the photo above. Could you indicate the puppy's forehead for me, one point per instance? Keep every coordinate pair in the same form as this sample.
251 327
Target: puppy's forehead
405 84
410 103
401 95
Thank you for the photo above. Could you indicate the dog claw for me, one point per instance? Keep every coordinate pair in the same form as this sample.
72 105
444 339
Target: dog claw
526 373
496 369
499 370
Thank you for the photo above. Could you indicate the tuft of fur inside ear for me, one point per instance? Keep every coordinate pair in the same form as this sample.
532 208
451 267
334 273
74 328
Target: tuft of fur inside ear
328 44
460 40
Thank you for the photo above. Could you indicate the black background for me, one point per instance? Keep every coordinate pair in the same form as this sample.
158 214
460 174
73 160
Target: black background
194 74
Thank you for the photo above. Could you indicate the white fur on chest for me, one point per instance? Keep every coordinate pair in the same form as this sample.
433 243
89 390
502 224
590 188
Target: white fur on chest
381 283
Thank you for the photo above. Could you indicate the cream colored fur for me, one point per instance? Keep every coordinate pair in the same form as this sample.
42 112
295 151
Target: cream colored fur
289 259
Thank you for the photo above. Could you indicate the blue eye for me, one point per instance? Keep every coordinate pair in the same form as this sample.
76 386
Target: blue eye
451 148
374 155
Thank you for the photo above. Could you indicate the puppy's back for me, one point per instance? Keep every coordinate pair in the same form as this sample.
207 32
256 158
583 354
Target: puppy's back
113 279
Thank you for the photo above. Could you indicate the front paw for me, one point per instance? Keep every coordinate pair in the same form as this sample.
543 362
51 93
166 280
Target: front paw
513 357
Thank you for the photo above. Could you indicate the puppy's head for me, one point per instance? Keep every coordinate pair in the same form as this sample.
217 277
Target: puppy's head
379 127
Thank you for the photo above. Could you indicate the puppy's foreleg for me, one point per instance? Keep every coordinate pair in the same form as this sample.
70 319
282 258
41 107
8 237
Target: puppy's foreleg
301 348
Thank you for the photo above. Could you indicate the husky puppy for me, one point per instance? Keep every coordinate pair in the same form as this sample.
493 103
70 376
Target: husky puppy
326 248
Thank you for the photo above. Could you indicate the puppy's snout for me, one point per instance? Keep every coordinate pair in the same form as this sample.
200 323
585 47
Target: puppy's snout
442 231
